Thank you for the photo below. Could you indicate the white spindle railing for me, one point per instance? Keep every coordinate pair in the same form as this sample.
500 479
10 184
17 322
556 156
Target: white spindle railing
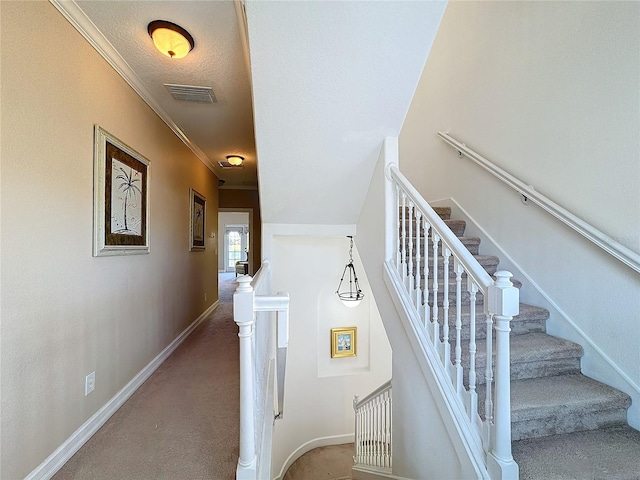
263 344
608 244
433 266
373 430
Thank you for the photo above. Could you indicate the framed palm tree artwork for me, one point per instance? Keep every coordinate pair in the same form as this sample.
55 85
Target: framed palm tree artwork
121 198
198 215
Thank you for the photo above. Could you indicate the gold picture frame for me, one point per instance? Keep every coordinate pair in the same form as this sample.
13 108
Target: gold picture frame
344 342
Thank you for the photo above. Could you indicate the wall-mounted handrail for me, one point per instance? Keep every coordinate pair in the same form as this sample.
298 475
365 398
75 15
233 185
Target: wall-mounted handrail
608 244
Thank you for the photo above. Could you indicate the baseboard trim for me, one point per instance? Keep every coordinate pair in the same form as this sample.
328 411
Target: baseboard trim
364 473
64 452
310 445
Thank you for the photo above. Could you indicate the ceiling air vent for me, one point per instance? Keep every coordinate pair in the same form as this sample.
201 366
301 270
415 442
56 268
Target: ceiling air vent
189 93
225 164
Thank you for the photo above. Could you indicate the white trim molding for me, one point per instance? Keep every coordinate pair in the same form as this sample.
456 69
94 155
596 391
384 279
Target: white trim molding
76 16
64 452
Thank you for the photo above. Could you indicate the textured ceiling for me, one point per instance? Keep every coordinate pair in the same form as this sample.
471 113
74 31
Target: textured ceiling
218 61
330 81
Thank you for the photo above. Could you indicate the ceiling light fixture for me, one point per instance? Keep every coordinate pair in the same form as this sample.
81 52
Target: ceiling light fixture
353 296
172 40
235 160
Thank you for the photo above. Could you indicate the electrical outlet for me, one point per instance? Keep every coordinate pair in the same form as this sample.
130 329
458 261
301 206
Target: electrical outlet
89 383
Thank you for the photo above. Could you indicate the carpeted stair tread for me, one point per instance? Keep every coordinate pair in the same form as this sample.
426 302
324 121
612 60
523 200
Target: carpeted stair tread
564 404
488 262
608 453
533 355
470 243
443 212
530 319
456 226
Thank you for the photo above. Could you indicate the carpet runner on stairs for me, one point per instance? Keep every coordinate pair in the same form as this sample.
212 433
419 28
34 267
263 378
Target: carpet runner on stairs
552 402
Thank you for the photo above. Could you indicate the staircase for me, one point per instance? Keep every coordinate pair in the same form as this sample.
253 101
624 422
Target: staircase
551 401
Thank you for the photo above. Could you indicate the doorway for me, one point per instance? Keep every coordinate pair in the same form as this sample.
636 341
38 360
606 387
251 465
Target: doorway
234 240
236 246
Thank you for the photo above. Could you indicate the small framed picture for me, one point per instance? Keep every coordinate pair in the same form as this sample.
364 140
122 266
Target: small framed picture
197 219
121 198
344 342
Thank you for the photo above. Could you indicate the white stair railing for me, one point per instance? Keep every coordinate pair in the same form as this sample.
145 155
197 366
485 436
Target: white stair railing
263 322
431 266
373 430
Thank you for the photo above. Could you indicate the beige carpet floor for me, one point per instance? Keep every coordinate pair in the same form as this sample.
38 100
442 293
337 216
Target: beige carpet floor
333 462
183 422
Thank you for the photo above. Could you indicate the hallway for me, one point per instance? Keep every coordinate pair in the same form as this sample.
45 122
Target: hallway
183 422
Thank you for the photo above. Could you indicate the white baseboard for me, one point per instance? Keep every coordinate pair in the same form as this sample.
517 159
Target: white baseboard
364 473
310 445
64 452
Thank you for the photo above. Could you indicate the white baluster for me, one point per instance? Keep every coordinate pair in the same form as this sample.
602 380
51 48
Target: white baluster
446 352
403 256
409 282
244 315
434 310
427 317
389 434
472 287
356 429
397 229
458 363
374 404
418 257
488 376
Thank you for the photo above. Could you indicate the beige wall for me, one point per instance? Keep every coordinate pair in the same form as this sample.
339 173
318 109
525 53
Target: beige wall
65 313
549 92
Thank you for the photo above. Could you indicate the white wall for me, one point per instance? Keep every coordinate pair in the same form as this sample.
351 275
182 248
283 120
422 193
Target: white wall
64 312
319 390
549 91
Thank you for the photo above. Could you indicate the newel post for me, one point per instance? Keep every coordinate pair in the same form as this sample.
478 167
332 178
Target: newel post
243 315
504 304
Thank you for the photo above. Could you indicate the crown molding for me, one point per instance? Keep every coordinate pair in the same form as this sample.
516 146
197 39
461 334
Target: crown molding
83 24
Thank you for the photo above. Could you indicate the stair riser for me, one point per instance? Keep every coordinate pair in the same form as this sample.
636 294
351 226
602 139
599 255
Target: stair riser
567 423
456 226
469 243
490 265
443 212
524 370
518 327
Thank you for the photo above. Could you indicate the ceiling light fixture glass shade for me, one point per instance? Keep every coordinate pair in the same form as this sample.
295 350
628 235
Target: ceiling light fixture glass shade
172 40
235 160
353 296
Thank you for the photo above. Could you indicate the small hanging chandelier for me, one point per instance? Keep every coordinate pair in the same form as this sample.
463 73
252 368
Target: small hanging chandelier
352 297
